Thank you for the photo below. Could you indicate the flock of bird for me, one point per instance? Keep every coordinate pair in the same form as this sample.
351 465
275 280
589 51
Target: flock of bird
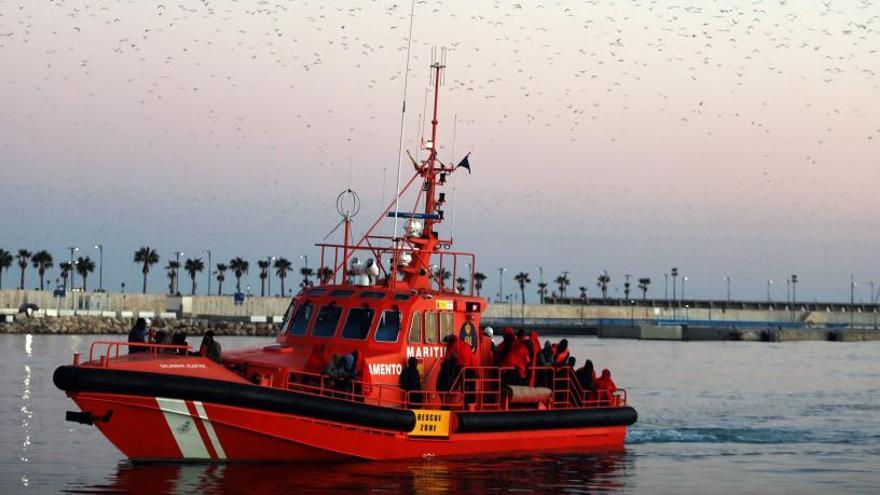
271 85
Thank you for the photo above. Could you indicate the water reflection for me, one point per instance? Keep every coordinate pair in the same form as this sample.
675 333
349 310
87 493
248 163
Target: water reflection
27 413
529 474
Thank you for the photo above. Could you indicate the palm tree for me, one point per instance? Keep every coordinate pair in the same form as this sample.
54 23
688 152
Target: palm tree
65 267
221 276
442 275
562 281
42 261
542 291
459 284
522 278
173 267
23 257
147 257
282 267
643 285
479 278
583 292
240 267
325 275
193 266
264 273
306 272
602 283
84 266
5 263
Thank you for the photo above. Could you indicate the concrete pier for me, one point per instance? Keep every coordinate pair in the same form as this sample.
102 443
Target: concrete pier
704 322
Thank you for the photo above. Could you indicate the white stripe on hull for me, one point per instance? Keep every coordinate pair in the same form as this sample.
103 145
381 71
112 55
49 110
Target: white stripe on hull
209 428
183 428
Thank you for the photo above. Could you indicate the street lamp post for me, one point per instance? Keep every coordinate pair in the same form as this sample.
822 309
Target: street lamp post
794 280
873 301
100 248
501 283
683 282
852 300
666 288
68 282
208 252
727 279
674 276
769 299
178 254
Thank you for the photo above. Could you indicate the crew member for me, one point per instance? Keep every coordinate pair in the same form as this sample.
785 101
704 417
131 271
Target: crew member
606 386
210 348
518 359
137 335
411 382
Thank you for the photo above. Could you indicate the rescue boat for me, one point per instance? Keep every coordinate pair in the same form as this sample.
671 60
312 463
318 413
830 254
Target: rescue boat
382 301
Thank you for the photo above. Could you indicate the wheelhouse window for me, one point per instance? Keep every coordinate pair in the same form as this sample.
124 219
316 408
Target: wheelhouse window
301 318
415 329
341 293
357 323
446 325
389 326
327 321
430 327
370 294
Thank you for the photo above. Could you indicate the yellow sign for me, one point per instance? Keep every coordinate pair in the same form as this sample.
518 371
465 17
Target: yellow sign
444 304
431 423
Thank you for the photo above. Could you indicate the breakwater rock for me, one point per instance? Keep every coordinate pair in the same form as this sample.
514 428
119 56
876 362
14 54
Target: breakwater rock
85 325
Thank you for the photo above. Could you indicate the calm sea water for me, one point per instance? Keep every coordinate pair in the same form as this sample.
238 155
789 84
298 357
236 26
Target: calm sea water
714 418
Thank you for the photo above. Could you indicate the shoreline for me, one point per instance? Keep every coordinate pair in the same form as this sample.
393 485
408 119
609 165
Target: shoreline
97 325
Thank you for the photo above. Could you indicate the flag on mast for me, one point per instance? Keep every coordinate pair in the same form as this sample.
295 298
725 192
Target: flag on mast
464 163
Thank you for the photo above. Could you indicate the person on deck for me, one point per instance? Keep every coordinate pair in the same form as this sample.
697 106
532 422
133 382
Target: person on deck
487 348
210 348
317 360
508 338
586 377
544 360
137 335
518 359
411 382
606 386
534 350
560 357
179 339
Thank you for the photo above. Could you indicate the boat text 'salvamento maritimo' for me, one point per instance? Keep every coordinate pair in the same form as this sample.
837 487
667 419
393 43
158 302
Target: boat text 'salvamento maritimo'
330 386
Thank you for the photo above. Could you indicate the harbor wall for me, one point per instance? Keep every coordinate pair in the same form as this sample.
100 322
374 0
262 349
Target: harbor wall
642 321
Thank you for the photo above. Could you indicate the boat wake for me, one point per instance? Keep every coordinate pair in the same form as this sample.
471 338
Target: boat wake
637 436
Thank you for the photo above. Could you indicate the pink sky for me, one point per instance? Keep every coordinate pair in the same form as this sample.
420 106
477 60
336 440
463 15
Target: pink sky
729 138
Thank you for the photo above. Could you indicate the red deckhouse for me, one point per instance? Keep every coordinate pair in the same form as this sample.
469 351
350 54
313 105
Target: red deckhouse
330 386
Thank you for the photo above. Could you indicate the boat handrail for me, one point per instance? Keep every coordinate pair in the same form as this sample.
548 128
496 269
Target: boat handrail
335 252
113 346
319 384
475 388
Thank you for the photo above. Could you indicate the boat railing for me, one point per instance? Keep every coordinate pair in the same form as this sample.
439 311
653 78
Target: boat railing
389 259
483 389
479 388
322 385
105 350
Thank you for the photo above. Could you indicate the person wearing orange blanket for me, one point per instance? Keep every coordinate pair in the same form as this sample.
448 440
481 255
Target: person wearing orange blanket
518 358
605 385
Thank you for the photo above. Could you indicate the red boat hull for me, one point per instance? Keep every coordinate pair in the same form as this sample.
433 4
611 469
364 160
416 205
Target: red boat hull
150 428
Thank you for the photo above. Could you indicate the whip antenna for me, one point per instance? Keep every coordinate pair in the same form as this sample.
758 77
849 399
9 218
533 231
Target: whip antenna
412 13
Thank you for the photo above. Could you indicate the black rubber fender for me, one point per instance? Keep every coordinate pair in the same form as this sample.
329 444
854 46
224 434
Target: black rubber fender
138 383
475 422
